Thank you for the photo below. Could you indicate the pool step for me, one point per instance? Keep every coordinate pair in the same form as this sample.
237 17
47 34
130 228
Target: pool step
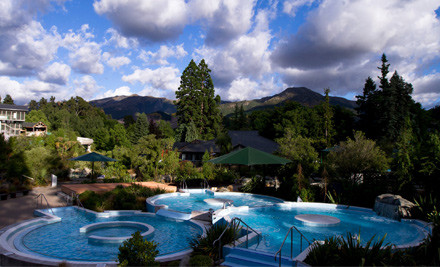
245 257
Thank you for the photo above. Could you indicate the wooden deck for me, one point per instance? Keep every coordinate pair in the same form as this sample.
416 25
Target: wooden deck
104 187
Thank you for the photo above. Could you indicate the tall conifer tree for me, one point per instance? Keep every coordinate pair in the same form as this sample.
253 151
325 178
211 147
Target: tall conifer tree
196 100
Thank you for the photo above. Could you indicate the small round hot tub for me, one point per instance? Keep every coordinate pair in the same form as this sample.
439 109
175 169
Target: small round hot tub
116 231
317 219
218 201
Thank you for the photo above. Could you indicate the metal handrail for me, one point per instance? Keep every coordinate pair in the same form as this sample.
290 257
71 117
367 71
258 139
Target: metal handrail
183 184
232 222
41 196
291 243
78 202
205 184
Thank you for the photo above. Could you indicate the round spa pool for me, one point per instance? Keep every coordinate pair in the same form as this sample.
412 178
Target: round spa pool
76 234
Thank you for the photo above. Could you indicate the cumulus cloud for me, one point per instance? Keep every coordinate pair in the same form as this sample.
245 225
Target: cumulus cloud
247 56
86 87
160 57
115 62
245 89
158 82
341 38
154 20
291 6
56 73
25 50
22 93
121 41
224 20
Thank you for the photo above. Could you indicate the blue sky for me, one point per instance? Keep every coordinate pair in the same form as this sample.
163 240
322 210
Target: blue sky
105 48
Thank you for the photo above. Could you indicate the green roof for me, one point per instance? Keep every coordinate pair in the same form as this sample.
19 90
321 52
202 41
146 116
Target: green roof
249 156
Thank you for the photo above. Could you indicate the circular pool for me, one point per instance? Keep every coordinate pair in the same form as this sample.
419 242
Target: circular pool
79 235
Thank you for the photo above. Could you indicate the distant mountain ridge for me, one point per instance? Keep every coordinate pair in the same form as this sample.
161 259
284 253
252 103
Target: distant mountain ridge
120 106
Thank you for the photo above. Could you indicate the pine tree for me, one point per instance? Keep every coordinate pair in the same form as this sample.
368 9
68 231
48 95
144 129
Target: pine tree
8 100
140 128
196 100
33 105
242 119
328 119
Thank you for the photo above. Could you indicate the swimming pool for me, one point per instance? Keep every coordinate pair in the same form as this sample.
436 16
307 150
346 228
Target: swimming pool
81 236
197 200
274 222
63 239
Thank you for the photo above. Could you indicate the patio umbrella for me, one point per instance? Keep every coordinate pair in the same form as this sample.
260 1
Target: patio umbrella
92 157
249 156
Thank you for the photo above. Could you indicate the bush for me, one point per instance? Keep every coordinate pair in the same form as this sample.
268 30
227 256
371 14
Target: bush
204 245
137 251
92 200
201 260
348 251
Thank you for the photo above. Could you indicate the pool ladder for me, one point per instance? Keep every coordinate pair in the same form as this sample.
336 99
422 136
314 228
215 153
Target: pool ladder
233 224
205 184
183 185
291 243
40 197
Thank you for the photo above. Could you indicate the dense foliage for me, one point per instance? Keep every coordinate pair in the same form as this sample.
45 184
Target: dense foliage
197 106
138 251
120 198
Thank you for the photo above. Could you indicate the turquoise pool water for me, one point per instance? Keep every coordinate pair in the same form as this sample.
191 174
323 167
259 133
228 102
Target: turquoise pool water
62 240
195 201
274 222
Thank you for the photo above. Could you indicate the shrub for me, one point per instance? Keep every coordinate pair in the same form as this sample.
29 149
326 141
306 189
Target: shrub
348 251
200 260
92 200
137 251
204 245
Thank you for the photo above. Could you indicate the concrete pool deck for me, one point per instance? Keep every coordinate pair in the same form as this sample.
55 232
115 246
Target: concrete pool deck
15 210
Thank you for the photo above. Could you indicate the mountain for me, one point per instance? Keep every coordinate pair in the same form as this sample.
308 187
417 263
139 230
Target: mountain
121 106
301 95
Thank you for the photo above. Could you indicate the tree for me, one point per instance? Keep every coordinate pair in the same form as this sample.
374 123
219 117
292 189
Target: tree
37 116
8 100
33 105
137 251
141 128
357 159
196 101
300 151
402 164
368 109
328 119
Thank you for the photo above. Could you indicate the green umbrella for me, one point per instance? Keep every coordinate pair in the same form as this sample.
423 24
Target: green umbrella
92 157
249 156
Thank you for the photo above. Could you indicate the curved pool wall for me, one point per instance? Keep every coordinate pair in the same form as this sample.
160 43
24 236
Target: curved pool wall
274 221
180 205
49 239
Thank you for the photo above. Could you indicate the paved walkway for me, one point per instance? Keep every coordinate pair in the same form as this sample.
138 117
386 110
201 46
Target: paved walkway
22 208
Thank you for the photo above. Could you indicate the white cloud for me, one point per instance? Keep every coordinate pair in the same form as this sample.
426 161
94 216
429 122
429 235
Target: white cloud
27 49
56 73
291 6
86 87
115 62
87 59
247 56
121 41
342 41
154 20
225 20
245 89
121 91
164 52
22 93
159 82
